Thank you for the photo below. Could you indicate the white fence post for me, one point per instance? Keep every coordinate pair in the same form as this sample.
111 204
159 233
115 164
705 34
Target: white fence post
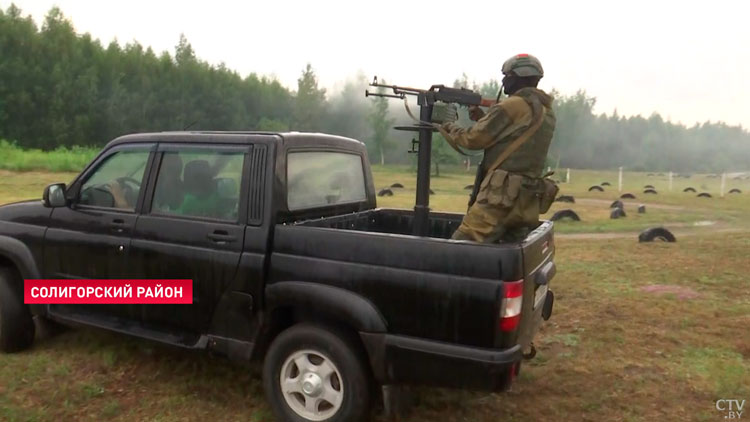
567 176
670 181
619 181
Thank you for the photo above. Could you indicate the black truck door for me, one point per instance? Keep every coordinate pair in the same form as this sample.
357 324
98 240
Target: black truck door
192 227
90 238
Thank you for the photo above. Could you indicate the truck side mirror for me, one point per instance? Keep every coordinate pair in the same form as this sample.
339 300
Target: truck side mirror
54 196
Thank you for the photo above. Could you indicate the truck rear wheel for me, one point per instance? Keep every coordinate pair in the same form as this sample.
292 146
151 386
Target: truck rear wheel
314 374
16 323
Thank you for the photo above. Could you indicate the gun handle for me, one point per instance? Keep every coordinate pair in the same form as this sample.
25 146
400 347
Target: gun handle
486 102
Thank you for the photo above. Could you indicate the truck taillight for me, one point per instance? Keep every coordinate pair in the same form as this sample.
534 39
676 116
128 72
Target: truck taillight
510 309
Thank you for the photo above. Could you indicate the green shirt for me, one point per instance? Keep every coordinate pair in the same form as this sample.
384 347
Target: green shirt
208 206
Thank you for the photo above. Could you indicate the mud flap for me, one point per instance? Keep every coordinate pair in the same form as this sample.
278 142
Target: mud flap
549 302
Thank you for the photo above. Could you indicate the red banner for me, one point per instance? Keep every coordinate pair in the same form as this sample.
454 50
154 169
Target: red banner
108 292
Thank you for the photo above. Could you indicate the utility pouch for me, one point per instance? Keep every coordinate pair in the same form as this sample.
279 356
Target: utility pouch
499 188
548 195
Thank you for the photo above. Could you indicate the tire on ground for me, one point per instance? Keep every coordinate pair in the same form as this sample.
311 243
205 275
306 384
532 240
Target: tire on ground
469 187
617 204
567 213
689 189
432 192
617 213
735 191
649 187
656 233
566 198
596 188
339 349
704 195
651 191
397 185
16 324
627 196
606 184
641 209
385 192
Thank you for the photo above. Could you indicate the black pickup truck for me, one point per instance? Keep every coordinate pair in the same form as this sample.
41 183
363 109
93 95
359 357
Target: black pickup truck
291 263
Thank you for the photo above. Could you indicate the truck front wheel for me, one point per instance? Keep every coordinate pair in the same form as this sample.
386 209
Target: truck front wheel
16 323
313 374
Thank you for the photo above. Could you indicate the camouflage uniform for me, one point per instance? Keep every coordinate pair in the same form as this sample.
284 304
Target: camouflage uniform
507 203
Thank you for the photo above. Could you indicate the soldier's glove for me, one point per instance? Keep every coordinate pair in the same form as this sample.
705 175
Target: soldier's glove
475 113
451 113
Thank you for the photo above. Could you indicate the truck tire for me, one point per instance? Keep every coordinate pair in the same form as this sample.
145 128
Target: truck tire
606 184
617 213
566 198
16 323
325 373
688 189
385 192
617 204
704 195
651 191
397 185
627 196
656 233
596 188
568 213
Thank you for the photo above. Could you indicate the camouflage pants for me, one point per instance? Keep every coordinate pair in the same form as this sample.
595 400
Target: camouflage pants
506 208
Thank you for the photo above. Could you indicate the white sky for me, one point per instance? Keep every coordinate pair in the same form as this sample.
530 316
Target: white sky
683 59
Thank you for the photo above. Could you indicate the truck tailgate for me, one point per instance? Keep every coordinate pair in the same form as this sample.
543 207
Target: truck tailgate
539 269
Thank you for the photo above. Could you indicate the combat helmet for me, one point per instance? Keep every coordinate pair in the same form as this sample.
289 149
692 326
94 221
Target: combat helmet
523 65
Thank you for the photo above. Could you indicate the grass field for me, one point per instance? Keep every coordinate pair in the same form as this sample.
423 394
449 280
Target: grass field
640 332
61 159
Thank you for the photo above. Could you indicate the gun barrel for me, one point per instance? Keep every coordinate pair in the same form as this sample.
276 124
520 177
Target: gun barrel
399 89
378 94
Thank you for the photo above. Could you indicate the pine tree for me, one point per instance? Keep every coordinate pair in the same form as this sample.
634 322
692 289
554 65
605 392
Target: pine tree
309 104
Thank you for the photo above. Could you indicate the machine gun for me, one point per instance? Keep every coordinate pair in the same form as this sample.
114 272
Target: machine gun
427 99
434 96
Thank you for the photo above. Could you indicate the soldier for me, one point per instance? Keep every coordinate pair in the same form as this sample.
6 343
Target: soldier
506 205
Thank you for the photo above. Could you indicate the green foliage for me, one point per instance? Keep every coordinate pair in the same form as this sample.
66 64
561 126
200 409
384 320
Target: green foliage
62 89
272 125
309 105
58 88
58 159
443 154
585 140
380 123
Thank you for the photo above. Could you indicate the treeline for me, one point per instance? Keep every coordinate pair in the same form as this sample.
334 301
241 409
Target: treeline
61 89
585 140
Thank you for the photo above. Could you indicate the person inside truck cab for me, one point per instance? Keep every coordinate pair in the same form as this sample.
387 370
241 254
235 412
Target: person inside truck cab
201 195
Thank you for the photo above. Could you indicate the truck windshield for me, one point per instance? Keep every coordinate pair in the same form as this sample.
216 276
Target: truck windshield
317 179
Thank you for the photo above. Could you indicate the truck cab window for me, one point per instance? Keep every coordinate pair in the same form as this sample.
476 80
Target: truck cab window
317 179
199 184
116 182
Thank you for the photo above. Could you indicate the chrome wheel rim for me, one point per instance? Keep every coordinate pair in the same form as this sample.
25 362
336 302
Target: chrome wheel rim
311 385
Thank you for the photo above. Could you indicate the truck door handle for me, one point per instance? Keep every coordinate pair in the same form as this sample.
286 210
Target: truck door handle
221 236
117 225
